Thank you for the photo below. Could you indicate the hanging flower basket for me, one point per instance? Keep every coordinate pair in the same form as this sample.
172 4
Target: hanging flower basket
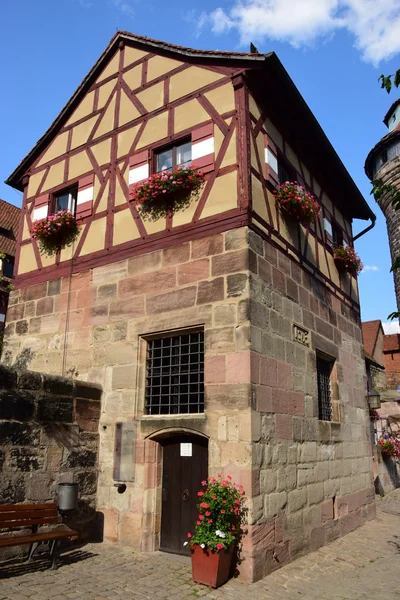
218 530
390 446
298 202
55 232
347 260
166 192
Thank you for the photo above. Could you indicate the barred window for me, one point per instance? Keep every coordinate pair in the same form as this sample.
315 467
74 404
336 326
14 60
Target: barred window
175 375
324 370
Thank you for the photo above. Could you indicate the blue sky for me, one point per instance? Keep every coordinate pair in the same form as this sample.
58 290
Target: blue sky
334 50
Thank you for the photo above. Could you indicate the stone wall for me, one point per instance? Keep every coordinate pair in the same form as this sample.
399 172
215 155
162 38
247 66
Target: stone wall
48 434
312 479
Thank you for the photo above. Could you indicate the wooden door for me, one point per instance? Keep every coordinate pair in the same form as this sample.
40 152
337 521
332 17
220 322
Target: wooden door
185 465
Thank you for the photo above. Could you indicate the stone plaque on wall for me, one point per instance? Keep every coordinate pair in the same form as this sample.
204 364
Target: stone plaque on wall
124 451
301 335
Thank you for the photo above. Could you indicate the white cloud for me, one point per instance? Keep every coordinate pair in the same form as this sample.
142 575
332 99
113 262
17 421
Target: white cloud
391 327
370 268
125 7
374 24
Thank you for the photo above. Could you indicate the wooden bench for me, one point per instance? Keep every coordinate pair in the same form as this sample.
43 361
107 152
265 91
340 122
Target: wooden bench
22 516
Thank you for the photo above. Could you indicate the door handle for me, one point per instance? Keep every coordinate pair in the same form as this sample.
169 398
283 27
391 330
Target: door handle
185 495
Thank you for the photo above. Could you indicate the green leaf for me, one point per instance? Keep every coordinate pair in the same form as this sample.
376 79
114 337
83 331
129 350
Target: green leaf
393 315
386 82
397 78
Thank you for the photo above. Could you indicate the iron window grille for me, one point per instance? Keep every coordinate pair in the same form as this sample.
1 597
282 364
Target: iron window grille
175 375
324 369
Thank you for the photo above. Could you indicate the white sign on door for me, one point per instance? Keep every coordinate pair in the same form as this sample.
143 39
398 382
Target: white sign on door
186 449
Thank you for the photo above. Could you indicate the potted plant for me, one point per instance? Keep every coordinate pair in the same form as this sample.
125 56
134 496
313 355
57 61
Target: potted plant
347 260
55 232
167 191
390 446
217 531
298 202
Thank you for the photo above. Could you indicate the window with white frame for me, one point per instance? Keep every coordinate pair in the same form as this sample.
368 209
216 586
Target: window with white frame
179 155
66 200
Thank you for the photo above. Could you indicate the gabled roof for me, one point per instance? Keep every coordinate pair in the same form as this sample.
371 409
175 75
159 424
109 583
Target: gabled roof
391 343
299 119
390 111
9 222
370 330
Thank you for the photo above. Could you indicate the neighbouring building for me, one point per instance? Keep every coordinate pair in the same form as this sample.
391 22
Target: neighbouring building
223 335
391 352
373 336
9 221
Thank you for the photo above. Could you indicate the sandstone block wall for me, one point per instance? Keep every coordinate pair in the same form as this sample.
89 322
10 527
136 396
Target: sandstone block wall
48 435
312 479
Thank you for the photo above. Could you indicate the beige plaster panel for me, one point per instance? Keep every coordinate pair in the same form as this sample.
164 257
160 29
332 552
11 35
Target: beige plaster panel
56 148
272 205
316 187
107 121
25 231
102 152
354 289
133 78
127 110
125 140
222 98
327 203
131 55
254 109
125 228
111 68
81 132
259 205
288 229
84 109
27 260
105 92
156 129
78 165
95 238
182 217
230 154
119 194
153 97
104 198
261 152
47 261
158 65
274 134
223 196
323 260
332 267
34 182
190 80
68 252
338 216
348 227
55 176
346 283
306 174
292 158
154 226
310 248
189 114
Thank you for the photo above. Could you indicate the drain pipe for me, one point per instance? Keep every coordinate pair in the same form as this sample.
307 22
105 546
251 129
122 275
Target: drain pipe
373 219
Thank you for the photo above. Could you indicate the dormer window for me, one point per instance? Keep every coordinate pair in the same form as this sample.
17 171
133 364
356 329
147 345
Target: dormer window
66 200
179 155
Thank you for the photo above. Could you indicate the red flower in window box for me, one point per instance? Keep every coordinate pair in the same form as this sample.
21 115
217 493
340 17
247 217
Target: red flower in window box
298 202
167 191
347 260
55 232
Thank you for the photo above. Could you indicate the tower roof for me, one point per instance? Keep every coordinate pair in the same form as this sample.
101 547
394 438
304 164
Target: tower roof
390 111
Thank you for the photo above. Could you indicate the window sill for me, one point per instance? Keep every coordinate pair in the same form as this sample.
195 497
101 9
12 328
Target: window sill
183 416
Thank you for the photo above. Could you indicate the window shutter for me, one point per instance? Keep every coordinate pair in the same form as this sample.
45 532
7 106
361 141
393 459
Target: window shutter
203 155
139 169
271 161
41 208
84 200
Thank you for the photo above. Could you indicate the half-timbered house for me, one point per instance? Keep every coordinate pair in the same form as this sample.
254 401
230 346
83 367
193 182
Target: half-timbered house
222 333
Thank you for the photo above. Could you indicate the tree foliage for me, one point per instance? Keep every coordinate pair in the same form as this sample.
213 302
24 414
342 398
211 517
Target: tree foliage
388 81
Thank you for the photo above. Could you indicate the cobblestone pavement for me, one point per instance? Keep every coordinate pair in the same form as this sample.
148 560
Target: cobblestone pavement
363 565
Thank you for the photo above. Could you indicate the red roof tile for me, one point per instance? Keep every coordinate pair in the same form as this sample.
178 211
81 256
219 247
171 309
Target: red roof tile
370 331
391 343
9 223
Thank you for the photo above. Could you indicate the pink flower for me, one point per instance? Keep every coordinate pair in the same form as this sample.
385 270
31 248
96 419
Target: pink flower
204 482
208 513
204 505
189 535
219 546
210 520
222 512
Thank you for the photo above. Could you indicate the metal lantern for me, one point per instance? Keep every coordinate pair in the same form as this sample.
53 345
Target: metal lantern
374 399
67 496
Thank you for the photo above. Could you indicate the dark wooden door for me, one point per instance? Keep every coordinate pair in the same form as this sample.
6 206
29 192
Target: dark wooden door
185 465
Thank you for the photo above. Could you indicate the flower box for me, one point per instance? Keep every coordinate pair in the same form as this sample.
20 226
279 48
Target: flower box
390 446
347 260
55 232
166 192
297 202
211 567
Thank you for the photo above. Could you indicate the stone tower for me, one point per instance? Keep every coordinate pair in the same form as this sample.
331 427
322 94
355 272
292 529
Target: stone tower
383 162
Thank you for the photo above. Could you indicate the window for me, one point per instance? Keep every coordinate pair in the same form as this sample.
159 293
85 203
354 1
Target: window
174 156
285 171
324 370
66 200
8 266
337 235
175 375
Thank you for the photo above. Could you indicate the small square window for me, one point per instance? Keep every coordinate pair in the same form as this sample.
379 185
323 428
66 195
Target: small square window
179 155
324 370
66 200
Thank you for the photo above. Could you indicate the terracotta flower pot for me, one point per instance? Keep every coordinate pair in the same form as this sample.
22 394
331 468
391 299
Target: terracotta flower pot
211 568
